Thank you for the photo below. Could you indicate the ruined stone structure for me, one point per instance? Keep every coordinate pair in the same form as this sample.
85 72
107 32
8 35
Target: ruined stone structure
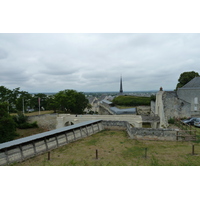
183 103
25 148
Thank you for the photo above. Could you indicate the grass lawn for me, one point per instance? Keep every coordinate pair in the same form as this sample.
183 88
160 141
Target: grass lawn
116 149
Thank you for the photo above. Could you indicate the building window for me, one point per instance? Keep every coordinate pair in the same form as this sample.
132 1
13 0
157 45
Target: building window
196 103
196 100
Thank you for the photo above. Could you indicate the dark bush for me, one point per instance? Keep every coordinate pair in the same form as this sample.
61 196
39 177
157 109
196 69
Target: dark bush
20 118
153 97
28 125
171 121
7 125
21 122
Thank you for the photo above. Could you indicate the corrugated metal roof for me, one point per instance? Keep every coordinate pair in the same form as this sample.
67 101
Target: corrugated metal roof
45 134
107 102
123 111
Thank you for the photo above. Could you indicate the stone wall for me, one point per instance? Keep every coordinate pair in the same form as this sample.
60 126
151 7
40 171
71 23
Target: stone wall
142 133
175 107
47 121
153 134
103 110
64 119
143 110
54 121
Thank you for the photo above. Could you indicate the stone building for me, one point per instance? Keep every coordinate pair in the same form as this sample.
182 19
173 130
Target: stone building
190 93
182 103
93 101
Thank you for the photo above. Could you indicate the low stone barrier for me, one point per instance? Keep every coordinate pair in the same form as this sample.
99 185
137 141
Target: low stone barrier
142 133
24 148
153 134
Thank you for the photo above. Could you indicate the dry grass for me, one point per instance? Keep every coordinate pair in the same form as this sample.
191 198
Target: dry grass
36 113
41 113
28 132
116 149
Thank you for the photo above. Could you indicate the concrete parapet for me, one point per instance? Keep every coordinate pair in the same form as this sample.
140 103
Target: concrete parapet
63 119
24 148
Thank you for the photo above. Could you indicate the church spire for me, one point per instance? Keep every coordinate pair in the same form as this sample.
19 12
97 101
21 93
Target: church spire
121 89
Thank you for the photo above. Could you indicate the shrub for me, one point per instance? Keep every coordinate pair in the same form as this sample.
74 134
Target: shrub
7 125
21 122
153 97
20 118
28 125
171 121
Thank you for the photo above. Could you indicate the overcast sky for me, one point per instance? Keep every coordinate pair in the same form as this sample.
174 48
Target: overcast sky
50 62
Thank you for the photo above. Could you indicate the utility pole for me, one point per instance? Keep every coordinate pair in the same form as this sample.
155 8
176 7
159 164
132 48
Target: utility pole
23 104
39 104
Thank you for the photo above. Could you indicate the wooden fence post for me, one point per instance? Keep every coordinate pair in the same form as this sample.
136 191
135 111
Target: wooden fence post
193 149
176 135
49 155
96 153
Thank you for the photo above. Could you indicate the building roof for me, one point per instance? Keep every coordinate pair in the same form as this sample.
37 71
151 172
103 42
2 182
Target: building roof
107 102
102 97
193 84
118 111
92 99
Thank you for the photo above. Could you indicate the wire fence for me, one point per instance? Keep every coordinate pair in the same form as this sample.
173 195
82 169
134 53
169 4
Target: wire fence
186 132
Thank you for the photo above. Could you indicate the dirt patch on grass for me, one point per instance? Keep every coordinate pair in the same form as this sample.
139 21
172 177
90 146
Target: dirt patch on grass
28 132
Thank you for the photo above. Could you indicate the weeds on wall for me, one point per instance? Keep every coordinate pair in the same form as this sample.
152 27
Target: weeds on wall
21 121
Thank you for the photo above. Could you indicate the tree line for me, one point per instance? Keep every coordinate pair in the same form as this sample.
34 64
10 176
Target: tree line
65 101
16 101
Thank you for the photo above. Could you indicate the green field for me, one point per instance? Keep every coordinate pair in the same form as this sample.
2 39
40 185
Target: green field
115 148
131 101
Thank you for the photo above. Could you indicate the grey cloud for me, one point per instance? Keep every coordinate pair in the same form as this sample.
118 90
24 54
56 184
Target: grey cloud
94 62
3 54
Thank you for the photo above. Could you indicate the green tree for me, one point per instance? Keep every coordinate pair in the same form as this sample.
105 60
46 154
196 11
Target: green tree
52 104
43 101
185 77
81 103
71 101
5 94
24 101
7 124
